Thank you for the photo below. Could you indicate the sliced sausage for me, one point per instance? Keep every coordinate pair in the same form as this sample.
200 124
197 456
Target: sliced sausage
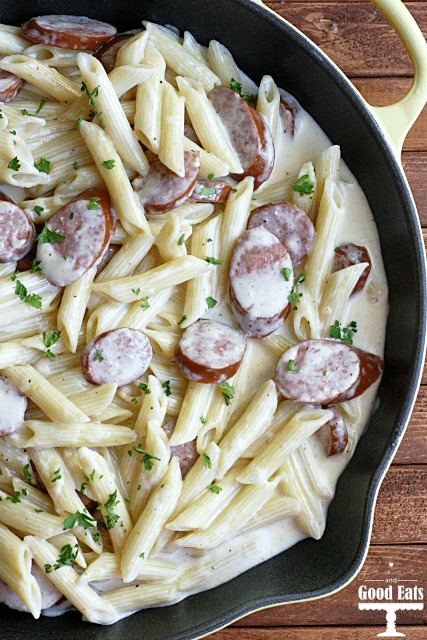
186 454
259 290
334 434
290 224
326 372
17 231
13 405
248 131
209 352
86 225
162 190
107 52
191 134
287 114
68 32
119 356
348 254
215 191
10 85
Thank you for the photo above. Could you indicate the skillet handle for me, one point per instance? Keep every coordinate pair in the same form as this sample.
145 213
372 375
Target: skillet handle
397 119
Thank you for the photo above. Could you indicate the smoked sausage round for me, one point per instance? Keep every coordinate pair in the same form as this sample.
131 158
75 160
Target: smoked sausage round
17 232
326 372
107 52
10 85
119 356
13 405
249 134
209 352
290 224
67 32
261 280
349 254
82 231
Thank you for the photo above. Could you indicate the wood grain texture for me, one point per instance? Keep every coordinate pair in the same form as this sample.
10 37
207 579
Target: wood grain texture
413 448
355 35
315 633
409 563
415 166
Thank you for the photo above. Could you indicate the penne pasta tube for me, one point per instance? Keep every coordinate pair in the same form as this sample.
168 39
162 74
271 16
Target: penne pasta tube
171 148
156 513
113 117
107 567
285 442
207 124
167 275
35 386
36 433
66 580
103 149
41 76
17 163
72 308
196 402
15 570
248 428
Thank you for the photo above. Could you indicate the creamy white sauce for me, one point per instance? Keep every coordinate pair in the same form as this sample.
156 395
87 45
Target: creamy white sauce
368 309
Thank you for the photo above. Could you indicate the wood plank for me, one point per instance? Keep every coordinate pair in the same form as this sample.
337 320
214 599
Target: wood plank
415 166
386 91
401 510
314 633
355 35
413 448
409 563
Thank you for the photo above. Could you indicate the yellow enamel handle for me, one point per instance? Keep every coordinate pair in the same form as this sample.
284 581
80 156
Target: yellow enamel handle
397 119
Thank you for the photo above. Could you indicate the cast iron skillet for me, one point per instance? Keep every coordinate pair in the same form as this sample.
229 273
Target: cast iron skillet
262 43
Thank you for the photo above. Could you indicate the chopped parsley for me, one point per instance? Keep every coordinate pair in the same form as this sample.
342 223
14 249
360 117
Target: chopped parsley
48 236
211 302
144 303
13 132
49 339
214 488
324 372
147 458
43 165
211 176
15 498
237 87
345 334
136 291
93 204
111 518
75 165
98 357
91 99
294 296
56 475
207 461
287 273
80 519
41 105
303 186
27 473
78 122
66 558
35 266
207 191
183 319
202 420
227 392
291 367
14 164
38 210
144 388
181 240
211 260
34 300
109 164
166 386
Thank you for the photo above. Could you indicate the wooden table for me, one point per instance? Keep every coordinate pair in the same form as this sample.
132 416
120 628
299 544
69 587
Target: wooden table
365 47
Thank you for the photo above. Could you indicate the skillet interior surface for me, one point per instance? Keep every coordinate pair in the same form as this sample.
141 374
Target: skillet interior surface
262 43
